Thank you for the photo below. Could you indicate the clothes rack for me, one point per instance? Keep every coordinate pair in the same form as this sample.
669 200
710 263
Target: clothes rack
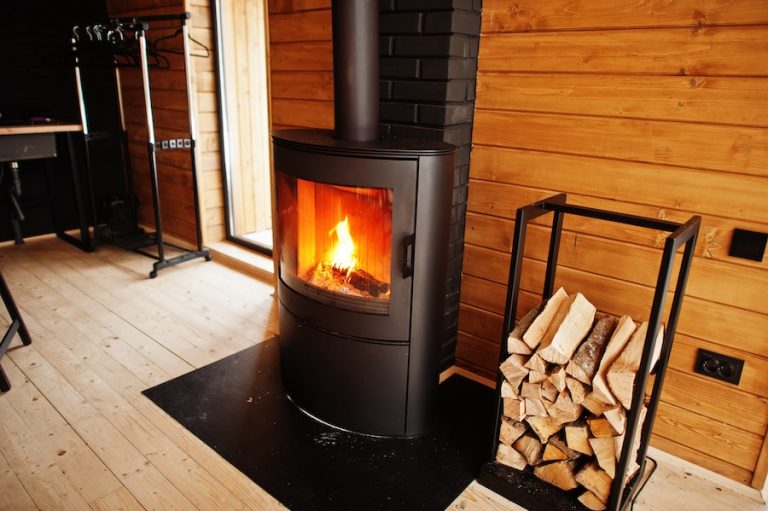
127 38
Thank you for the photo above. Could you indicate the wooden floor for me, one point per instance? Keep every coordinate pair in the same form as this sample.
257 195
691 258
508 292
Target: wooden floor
75 431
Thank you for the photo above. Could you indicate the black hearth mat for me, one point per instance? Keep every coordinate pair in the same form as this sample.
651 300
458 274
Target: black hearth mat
238 407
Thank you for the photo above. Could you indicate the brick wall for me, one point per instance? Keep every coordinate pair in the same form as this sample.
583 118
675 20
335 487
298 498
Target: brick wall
428 68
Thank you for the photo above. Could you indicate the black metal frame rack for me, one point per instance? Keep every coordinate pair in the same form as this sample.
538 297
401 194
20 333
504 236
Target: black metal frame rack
521 486
141 243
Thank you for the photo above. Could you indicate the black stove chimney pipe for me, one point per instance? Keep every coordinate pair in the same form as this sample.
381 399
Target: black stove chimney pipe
356 69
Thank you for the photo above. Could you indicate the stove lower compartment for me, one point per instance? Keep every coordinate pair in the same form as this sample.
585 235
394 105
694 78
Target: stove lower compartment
324 375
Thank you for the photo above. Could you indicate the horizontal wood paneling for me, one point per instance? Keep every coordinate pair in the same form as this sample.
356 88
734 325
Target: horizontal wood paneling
651 184
721 51
656 109
303 113
300 26
302 85
724 442
529 15
284 6
741 150
303 56
724 100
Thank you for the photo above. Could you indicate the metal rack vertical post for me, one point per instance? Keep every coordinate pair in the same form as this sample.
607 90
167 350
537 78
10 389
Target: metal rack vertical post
139 26
623 490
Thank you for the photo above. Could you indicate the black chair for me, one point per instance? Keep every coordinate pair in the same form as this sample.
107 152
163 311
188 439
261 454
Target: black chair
17 325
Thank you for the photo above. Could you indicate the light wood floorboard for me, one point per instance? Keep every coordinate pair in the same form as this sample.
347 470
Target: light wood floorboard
76 432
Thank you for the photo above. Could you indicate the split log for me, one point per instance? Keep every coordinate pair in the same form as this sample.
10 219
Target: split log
619 445
513 370
565 410
535 408
515 343
510 431
514 408
538 328
575 325
558 474
552 453
531 390
596 480
622 373
591 502
536 363
577 390
619 339
557 378
617 417
556 442
585 361
544 427
604 452
509 456
508 390
537 376
577 438
595 406
549 391
530 448
600 427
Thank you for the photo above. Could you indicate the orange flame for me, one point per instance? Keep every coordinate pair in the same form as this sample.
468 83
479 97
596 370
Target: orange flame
343 257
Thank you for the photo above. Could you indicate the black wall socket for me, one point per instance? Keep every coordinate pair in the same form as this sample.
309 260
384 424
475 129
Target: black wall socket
720 367
748 244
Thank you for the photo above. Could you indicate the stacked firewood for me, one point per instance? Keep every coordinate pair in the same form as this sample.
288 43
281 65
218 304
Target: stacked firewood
566 389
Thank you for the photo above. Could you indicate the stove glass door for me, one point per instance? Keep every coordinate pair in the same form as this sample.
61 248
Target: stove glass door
336 243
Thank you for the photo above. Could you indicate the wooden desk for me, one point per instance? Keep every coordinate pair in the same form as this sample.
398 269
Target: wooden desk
38 141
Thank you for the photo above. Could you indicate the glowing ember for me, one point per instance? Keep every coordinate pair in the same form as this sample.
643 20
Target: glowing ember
343 258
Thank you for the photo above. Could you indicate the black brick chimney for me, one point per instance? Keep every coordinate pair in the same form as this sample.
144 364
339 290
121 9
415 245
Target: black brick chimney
428 68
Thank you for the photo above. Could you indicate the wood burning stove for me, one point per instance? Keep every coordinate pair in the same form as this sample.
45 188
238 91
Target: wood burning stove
362 238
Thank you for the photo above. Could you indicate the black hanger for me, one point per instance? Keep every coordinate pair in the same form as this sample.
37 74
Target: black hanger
177 52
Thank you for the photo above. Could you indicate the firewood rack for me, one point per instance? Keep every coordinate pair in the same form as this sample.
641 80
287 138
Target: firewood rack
522 487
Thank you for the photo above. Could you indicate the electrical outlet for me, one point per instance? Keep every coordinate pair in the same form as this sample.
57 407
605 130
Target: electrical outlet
720 367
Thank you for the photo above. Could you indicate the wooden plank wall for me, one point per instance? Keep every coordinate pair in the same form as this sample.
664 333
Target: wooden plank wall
301 63
652 108
170 110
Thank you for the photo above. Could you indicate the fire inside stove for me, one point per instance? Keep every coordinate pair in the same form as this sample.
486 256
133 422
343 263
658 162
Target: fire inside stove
335 242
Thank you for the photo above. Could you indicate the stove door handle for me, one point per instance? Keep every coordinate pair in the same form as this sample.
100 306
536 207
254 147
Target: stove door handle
408 243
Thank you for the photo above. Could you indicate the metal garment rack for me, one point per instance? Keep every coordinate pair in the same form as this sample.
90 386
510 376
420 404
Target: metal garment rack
623 493
138 27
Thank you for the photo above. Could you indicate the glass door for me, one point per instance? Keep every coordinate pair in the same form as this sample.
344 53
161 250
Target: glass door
336 243
243 105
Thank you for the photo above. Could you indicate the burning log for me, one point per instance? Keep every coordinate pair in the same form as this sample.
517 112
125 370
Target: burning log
364 281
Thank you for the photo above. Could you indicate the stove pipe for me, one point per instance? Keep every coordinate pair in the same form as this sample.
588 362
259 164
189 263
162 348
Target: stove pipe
356 69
